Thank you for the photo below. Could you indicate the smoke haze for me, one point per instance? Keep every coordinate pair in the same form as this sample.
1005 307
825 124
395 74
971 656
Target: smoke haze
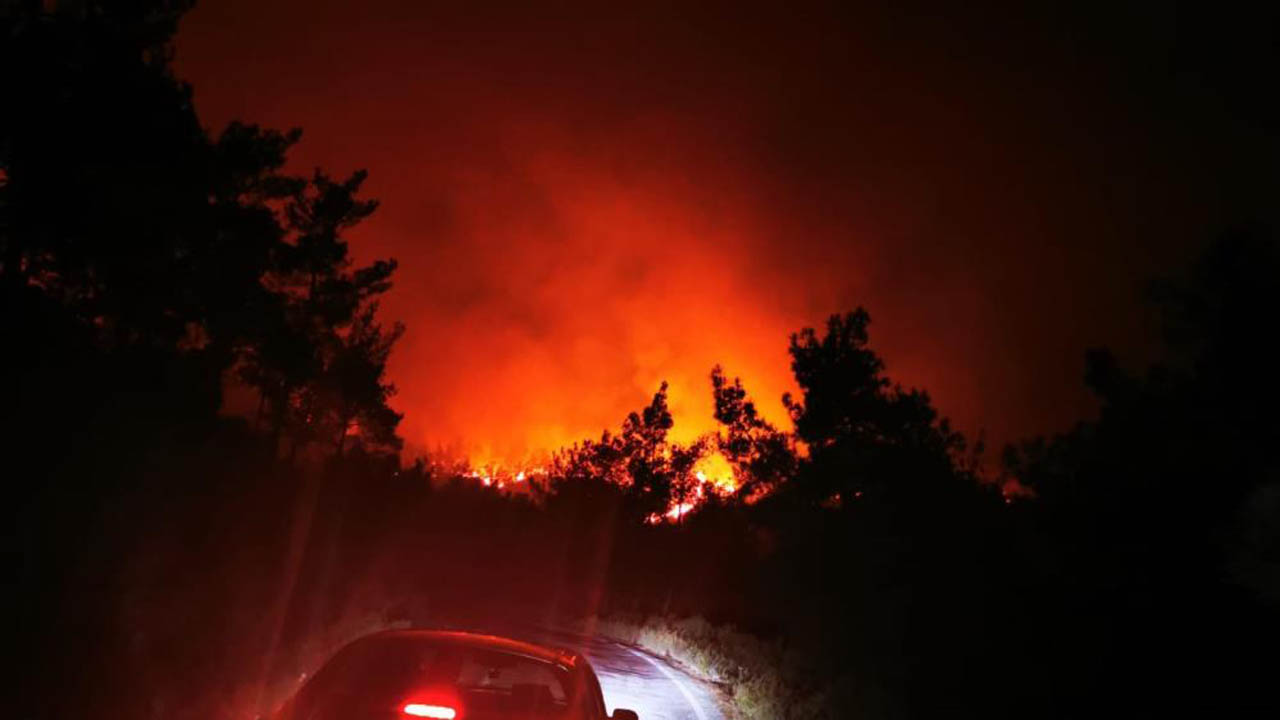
586 202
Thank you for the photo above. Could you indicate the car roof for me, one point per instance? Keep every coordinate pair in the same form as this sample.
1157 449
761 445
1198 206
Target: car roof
556 656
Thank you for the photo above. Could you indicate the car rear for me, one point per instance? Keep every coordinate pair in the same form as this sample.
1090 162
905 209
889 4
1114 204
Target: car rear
403 675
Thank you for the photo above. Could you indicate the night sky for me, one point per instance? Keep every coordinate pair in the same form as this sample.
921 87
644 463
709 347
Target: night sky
585 201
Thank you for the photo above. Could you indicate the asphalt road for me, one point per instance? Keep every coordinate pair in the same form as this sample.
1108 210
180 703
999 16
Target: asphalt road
636 680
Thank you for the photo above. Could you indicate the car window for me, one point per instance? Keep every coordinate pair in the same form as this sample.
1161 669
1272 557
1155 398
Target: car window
370 667
505 673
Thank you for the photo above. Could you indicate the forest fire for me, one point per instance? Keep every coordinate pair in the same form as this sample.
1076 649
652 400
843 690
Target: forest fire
714 469
496 476
713 475
556 325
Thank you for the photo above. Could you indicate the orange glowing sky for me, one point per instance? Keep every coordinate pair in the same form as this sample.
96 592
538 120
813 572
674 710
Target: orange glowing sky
585 203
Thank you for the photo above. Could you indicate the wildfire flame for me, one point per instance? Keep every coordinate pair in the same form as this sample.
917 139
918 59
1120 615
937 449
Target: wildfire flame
714 475
497 476
713 472
714 469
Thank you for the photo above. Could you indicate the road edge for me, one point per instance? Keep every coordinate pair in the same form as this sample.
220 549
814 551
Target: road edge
715 692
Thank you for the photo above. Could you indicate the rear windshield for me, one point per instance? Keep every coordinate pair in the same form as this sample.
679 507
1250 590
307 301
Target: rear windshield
376 677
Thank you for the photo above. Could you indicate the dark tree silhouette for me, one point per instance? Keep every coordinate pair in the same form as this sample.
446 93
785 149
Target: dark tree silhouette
863 433
304 362
762 456
652 472
683 481
354 381
1145 515
644 444
145 264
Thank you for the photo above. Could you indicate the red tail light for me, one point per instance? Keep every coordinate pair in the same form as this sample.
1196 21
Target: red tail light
436 712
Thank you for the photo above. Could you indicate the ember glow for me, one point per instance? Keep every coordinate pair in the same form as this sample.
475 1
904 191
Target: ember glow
714 469
507 478
715 477
713 472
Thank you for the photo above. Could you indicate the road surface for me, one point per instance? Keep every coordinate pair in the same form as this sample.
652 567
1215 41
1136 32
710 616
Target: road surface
636 680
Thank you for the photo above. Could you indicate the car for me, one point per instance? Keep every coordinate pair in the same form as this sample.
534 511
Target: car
446 675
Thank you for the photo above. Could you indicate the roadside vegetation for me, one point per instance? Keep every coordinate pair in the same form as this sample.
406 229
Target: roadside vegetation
760 678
